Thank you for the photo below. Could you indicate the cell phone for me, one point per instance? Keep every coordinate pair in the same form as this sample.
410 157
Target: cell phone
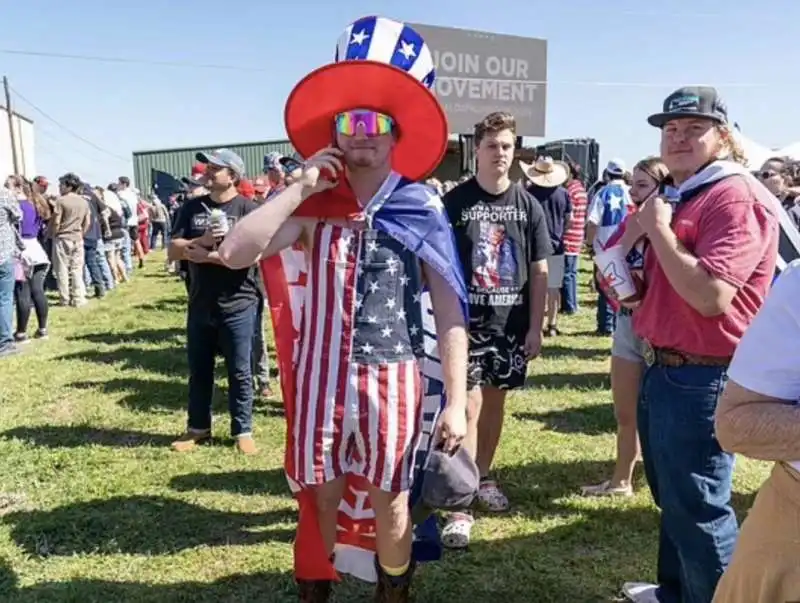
669 191
290 164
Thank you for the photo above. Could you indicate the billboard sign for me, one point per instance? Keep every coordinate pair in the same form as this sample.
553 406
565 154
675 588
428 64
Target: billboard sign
479 72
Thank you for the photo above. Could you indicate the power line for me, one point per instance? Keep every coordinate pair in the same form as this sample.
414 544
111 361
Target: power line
73 149
104 59
66 129
135 61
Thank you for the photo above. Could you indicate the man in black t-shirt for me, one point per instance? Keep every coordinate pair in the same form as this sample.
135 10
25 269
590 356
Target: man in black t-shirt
223 303
503 243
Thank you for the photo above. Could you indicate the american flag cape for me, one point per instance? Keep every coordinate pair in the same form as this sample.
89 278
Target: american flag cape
412 214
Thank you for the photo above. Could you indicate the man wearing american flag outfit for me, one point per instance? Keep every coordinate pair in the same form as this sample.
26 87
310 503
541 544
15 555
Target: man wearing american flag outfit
373 242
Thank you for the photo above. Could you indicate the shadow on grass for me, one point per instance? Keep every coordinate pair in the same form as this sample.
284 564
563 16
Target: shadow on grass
594 334
171 304
141 525
146 395
586 558
535 488
579 381
273 587
173 335
594 419
272 482
562 351
268 408
78 436
169 361
742 501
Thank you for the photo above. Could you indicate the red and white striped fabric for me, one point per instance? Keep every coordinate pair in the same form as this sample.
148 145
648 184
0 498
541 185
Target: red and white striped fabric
576 233
286 276
352 418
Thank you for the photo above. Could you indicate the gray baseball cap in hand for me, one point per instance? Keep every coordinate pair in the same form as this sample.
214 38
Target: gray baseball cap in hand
449 483
223 158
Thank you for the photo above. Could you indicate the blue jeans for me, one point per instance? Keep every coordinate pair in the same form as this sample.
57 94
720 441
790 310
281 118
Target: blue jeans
105 269
127 253
231 332
158 228
92 272
260 363
606 316
7 303
569 290
690 479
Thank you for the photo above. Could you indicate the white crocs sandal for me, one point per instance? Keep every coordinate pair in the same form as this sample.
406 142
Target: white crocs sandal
456 531
491 498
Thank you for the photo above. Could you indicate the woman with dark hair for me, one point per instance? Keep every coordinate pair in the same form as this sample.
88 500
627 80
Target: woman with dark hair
780 175
29 292
627 358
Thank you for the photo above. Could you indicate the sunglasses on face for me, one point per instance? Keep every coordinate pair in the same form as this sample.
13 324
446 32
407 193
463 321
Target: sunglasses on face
368 123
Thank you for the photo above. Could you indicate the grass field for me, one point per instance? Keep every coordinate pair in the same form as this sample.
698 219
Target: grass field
94 507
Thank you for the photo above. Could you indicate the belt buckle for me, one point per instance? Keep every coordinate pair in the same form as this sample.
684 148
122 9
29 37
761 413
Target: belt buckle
648 353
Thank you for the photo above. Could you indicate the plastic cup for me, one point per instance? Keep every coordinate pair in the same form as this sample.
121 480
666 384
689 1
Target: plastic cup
218 220
614 268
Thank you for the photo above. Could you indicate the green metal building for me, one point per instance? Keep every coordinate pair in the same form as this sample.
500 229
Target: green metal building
178 162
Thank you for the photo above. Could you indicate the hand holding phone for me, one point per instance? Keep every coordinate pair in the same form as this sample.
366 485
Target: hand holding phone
321 170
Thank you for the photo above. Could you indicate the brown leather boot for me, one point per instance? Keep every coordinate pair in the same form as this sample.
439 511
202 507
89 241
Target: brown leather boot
314 591
393 589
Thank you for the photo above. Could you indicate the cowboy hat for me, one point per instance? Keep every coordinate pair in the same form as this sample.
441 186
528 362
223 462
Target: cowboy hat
545 172
380 65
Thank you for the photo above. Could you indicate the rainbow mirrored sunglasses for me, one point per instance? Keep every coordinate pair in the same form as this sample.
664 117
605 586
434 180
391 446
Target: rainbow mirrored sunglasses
363 121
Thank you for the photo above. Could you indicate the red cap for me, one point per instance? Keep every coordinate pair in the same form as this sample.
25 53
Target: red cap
198 169
245 189
41 181
261 185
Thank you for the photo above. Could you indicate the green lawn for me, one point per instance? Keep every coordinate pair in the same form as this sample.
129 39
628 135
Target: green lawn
94 507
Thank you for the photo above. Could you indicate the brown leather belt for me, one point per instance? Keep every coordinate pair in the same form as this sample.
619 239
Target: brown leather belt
674 358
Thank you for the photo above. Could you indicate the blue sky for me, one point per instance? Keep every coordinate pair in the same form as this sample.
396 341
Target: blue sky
746 49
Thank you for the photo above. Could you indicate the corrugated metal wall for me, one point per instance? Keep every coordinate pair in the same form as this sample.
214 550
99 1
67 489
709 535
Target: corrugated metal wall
178 162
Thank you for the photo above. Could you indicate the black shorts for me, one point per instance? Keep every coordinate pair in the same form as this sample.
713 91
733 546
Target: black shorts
133 232
496 360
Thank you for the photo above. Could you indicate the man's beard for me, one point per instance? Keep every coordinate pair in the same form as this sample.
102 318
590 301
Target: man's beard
360 160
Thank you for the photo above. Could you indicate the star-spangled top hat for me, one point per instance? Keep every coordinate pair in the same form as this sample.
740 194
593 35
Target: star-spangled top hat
380 65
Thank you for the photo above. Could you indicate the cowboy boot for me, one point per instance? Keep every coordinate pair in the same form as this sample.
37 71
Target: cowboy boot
314 591
393 589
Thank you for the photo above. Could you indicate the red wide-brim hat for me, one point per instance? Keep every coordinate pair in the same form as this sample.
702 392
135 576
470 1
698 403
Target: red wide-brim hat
347 85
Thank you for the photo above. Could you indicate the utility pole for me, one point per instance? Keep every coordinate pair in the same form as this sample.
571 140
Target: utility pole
12 134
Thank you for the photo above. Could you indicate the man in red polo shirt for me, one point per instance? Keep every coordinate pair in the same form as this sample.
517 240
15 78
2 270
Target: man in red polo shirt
709 263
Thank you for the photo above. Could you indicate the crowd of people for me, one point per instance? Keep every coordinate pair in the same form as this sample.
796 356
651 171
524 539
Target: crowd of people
84 240
495 264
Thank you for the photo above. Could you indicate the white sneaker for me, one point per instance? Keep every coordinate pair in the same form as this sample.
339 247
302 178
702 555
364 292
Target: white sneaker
640 592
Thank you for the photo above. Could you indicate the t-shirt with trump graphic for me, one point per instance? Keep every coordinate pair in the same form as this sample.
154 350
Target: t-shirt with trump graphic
497 237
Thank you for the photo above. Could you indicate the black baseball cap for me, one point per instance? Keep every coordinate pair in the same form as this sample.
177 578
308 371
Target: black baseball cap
692 101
